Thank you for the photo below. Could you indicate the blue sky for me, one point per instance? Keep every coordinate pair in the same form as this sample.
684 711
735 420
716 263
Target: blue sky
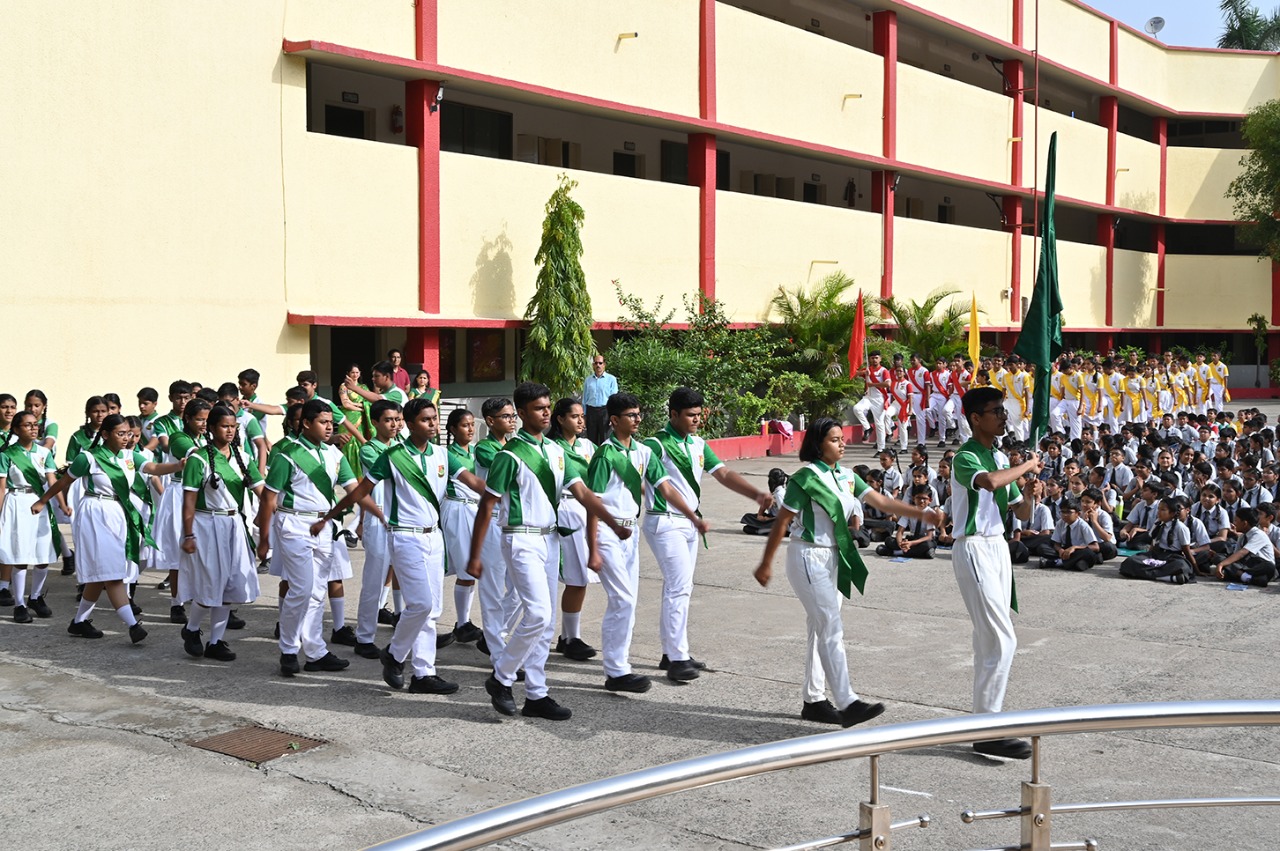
1190 23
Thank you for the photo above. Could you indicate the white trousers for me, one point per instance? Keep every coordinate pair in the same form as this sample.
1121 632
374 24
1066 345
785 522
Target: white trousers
922 422
419 561
533 568
985 576
937 414
1108 410
303 561
620 577
890 419
873 404
674 543
1215 395
1012 423
498 602
377 561
955 410
811 570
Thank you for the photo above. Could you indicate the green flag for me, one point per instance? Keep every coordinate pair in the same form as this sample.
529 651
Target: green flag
1040 342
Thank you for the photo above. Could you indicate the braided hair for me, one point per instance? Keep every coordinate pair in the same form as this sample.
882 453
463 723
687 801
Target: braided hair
11 436
216 415
195 406
44 410
89 404
562 408
110 424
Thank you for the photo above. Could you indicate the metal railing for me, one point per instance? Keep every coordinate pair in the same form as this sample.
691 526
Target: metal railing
875 827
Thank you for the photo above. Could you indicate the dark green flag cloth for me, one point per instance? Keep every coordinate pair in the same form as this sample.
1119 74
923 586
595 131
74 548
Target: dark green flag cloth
1040 342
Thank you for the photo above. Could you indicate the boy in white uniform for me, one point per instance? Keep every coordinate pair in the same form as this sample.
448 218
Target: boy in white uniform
622 466
670 535
387 419
939 389
918 375
874 399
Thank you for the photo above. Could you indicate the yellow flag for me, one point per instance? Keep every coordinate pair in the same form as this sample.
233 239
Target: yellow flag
975 346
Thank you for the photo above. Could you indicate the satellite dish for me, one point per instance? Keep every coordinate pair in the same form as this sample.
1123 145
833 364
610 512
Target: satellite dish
1154 25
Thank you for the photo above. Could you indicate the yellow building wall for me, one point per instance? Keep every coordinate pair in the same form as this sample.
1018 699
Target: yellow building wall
1144 67
381 26
1082 281
765 243
1082 154
642 233
574 46
1139 187
1214 292
1222 82
791 83
1134 292
352 232
1198 180
144 242
988 16
935 112
1070 35
928 256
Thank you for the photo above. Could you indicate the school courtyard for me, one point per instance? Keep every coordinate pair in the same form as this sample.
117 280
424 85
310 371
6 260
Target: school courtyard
94 733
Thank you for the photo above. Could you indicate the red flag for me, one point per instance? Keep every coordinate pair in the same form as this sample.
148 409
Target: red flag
857 340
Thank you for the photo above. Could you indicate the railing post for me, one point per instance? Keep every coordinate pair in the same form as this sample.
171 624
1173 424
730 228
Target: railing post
1037 817
873 817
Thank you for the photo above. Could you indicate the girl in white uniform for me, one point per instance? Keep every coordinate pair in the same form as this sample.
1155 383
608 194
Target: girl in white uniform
219 570
168 514
27 540
112 529
568 425
458 516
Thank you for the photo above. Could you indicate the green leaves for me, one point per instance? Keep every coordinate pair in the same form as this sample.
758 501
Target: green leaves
1256 191
1245 28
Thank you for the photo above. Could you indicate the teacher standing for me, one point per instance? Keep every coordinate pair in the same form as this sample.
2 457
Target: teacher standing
596 391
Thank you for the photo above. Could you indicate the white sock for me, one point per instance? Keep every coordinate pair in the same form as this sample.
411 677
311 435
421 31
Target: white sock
382 598
38 580
572 624
462 597
397 598
4 584
338 605
196 618
126 614
217 629
19 587
82 613
1244 577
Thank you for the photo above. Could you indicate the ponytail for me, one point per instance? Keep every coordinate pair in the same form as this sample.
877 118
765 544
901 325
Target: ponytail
212 481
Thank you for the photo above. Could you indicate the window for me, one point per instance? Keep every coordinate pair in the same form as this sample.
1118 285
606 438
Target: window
486 354
675 165
345 121
475 130
448 357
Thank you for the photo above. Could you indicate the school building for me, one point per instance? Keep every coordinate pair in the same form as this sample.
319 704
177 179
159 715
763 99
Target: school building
197 188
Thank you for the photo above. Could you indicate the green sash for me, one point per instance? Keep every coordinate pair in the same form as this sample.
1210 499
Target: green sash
1002 502
852 572
572 455
400 458
532 458
679 454
619 463
310 465
232 479
137 527
19 458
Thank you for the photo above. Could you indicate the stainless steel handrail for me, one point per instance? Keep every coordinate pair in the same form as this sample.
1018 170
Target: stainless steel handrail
568 804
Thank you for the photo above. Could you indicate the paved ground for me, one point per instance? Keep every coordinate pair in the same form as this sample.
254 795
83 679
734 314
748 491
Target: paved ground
92 733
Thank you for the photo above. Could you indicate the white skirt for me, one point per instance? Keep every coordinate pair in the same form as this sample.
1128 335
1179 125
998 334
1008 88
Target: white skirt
25 538
458 520
340 563
166 531
100 542
573 548
221 571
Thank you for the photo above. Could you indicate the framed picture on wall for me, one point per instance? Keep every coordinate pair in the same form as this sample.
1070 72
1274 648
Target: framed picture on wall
486 354
448 357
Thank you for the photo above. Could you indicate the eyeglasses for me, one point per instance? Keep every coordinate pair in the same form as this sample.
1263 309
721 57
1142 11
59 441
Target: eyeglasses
598 363
999 412
507 417
633 415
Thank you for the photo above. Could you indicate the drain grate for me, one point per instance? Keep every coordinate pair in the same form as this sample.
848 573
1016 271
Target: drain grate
257 744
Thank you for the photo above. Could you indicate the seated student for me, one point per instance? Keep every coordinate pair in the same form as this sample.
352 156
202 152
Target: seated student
915 538
946 537
1076 485
760 522
1217 523
1117 472
1254 562
892 476
1169 557
1267 521
1141 476
1053 460
1097 480
1259 449
1252 493
1094 512
943 481
1075 545
857 525
878 524
1051 496
1201 475
920 476
1201 543
1169 483
1136 533
1231 500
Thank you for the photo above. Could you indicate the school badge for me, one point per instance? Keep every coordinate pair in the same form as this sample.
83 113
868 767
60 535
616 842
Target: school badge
560 461
852 490
440 470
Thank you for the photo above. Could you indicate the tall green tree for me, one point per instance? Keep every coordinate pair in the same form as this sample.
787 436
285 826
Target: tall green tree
928 328
1246 28
559 345
817 322
1256 191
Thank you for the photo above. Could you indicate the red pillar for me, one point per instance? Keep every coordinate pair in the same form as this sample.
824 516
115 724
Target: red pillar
1017 23
423 346
1275 293
1013 225
1107 239
882 198
1160 274
702 173
707 60
1162 139
422 128
1110 119
885 44
1015 82
1114 72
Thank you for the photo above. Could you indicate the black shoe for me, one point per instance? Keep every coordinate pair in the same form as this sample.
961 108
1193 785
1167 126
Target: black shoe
367 650
545 707
482 645
465 633
84 629
162 585
191 642
386 617
942 444
264 567
6 598
520 675
682 671
665 663
221 652
21 615
392 671
69 564
859 711
444 639
275 633
350 539
235 621
431 684
345 636
500 696
634 683
289 664
575 649
39 607
822 712
137 633
137 610
177 614
1009 748
327 662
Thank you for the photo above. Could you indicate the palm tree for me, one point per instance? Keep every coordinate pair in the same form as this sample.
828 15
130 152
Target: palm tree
818 322
925 330
1245 28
